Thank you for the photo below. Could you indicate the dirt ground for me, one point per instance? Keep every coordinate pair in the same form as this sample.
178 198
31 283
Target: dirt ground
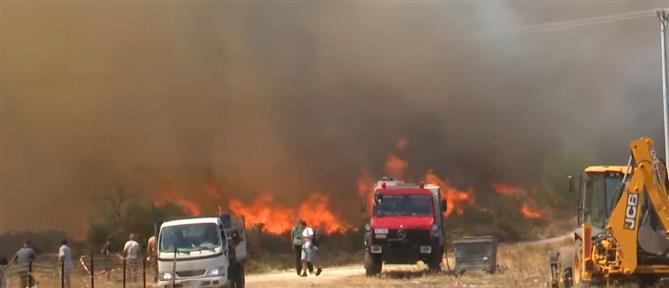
519 265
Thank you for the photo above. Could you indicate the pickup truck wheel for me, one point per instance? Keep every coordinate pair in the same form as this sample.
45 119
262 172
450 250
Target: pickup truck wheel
373 264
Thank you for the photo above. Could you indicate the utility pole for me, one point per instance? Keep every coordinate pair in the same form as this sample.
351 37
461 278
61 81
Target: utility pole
662 14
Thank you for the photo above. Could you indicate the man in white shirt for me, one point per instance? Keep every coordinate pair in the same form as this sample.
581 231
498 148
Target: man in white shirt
308 250
131 252
65 259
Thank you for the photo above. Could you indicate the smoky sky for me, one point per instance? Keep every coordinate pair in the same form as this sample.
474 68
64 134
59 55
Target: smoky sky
295 98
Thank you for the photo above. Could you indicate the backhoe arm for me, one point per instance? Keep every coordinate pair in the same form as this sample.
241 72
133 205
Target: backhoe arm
648 179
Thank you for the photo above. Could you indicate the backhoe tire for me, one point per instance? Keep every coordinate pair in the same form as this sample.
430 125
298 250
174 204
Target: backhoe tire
566 258
373 264
237 276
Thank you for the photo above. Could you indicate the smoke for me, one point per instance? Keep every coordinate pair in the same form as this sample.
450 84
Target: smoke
244 99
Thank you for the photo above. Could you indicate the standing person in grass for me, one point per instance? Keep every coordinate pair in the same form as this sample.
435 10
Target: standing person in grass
308 250
107 253
65 259
22 261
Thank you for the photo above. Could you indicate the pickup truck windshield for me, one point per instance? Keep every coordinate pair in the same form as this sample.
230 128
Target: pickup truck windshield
403 205
192 237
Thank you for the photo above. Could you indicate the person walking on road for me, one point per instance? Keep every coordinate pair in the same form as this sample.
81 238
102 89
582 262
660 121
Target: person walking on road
308 250
296 236
131 252
65 259
22 260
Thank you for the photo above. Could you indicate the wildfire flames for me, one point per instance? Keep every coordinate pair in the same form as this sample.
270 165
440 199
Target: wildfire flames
528 209
395 166
169 194
274 218
456 199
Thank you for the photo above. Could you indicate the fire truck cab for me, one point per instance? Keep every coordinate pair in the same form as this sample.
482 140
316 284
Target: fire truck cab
405 226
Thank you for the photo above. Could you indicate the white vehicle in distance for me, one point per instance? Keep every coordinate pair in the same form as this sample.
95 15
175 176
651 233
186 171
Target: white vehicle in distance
204 252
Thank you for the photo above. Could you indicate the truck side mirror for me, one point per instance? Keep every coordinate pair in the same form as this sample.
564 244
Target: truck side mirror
236 239
570 181
444 205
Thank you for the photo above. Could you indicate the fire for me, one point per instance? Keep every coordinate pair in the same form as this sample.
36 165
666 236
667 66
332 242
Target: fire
263 211
315 212
456 199
276 219
506 189
169 194
530 213
395 166
365 187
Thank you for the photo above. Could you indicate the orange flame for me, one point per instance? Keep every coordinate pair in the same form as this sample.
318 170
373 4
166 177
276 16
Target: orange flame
456 199
506 189
395 166
315 212
169 194
530 213
365 187
276 219
212 191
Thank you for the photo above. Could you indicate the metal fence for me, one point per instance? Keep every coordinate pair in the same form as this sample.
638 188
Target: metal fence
87 271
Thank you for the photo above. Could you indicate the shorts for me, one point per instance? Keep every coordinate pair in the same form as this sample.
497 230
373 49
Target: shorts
308 254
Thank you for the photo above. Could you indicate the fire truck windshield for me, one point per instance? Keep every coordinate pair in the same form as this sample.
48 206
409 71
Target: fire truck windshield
403 205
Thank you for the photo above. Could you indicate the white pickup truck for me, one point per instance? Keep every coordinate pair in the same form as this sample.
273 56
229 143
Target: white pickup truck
202 252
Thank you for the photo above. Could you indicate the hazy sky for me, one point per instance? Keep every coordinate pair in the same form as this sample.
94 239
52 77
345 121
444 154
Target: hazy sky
293 98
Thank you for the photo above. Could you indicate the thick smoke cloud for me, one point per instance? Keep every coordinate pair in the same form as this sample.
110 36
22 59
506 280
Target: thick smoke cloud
292 99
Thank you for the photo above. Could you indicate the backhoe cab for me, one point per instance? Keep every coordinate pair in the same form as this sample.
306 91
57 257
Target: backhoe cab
623 216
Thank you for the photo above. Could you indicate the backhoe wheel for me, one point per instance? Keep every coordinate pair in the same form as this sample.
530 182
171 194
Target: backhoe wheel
373 264
237 276
566 266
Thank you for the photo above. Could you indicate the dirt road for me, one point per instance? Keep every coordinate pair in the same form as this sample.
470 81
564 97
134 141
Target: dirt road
519 265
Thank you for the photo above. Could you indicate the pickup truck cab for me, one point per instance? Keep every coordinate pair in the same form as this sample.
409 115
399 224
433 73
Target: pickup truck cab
202 252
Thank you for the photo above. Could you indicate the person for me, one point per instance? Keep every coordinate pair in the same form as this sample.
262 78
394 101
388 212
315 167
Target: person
296 235
3 269
65 258
308 250
131 256
22 260
152 258
107 253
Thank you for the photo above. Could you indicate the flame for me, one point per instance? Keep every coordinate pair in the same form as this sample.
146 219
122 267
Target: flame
315 212
276 219
395 166
169 194
506 189
530 213
402 144
263 211
456 199
365 187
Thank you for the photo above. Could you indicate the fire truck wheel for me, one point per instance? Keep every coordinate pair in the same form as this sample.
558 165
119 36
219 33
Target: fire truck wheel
373 264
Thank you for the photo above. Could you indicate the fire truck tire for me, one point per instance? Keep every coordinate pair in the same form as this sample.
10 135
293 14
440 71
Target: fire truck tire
373 264
435 259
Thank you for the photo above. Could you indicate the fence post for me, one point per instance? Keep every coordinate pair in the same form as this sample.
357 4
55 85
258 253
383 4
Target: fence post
92 270
62 273
174 268
144 272
125 261
30 273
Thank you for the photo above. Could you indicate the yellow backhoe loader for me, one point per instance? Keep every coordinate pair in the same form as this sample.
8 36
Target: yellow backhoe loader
623 217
